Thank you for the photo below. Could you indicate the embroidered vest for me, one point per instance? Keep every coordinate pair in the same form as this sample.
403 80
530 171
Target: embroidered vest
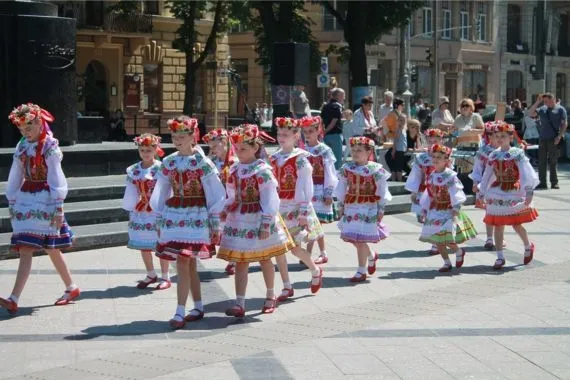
247 194
187 189
507 173
439 197
286 177
35 177
361 189
318 169
144 188
426 170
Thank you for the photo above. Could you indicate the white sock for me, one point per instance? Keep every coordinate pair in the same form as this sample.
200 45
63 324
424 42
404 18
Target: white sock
240 301
166 276
324 253
198 305
287 285
151 273
434 247
179 313
361 270
489 238
527 250
14 298
71 287
371 257
270 293
500 254
316 272
459 252
447 261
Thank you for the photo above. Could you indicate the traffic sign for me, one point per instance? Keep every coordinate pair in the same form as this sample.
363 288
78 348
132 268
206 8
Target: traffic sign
323 80
324 65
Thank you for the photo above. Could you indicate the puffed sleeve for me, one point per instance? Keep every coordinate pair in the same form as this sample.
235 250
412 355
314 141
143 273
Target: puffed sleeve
331 178
415 177
230 192
382 190
340 191
162 190
131 196
478 168
488 177
456 194
528 177
304 185
425 201
55 177
15 180
268 197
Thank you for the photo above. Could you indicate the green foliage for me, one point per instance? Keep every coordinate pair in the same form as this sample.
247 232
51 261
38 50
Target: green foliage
124 7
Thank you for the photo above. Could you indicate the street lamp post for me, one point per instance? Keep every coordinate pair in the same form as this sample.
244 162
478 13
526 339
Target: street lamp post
404 70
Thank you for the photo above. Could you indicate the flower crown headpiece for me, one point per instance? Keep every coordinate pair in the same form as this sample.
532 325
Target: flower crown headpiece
437 148
434 132
25 113
147 139
361 140
215 134
491 127
309 121
249 133
504 127
182 125
286 122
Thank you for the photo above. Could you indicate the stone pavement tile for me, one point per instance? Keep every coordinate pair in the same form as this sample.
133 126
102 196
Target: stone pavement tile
521 343
337 346
359 364
559 343
461 364
223 370
547 359
260 367
114 367
408 364
305 361
525 371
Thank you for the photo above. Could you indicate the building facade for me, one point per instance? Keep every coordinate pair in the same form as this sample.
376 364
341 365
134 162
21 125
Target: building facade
126 62
466 54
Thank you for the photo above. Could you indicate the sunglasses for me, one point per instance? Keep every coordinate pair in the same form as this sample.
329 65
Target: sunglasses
464 105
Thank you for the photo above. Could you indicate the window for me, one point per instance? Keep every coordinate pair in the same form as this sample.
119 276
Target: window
464 17
475 85
329 21
151 8
152 87
561 86
482 27
411 24
446 25
514 17
427 27
423 89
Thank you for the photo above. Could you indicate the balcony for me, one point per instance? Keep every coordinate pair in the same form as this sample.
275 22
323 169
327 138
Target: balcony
136 23
518 47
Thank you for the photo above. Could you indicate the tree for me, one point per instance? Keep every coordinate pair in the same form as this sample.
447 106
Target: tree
364 22
187 38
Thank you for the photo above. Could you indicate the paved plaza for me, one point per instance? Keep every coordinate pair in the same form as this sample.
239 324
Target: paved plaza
407 322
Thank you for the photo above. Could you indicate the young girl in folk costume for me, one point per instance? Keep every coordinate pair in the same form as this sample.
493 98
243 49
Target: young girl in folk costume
36 190
421 169
476 175
253 230
444 223
507 187
363 192
141 178
189 197
295 182
325 178
223 157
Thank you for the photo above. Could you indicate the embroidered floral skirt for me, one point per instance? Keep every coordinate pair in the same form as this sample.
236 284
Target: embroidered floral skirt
142 231
184 231
290 213
440 227
359 224
507 208
325 213
240 239
31 219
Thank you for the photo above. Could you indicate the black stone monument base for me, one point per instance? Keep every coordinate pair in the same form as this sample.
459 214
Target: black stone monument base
37 65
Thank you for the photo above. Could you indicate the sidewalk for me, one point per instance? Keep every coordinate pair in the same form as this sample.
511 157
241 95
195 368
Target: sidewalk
407 322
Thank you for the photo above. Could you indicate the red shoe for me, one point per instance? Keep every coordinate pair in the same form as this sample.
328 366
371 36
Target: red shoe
499 264
143 284
321 260
372 268
230 269
175 324
458 262
272 306
285 296
191 318
69 296
236 311
358 277
528 259
9 305
315 288
445 268
163 284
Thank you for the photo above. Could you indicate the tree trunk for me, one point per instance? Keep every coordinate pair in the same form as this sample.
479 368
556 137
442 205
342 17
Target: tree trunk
357 63
189 86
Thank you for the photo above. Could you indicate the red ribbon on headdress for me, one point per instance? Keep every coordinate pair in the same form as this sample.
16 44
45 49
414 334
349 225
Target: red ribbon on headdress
45 118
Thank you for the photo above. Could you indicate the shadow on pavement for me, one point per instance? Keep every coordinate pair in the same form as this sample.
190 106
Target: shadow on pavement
431 274
121 291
